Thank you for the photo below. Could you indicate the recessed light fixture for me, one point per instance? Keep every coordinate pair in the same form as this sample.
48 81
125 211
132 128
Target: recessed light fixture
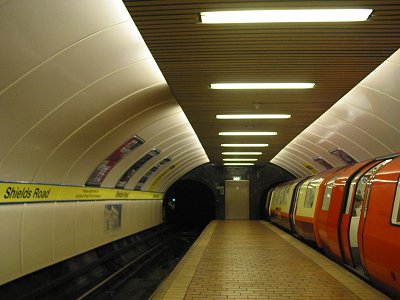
248 133
244 145
239 159
262 85
253 116
241 153
238 164
287 15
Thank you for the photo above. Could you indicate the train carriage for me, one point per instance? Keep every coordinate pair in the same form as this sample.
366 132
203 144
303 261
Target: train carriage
352 214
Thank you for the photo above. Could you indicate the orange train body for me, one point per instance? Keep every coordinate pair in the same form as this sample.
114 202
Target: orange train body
356 218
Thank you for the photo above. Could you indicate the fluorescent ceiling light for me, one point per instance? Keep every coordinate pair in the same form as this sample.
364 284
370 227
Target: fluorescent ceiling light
262 85
290 15
240 159
253 116
241 153
238 164
248 133
244 145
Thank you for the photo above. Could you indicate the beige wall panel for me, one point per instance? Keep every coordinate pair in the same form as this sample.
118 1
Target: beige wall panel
22 52
316 144
384 79
84 226
298 161
142 214
319 142
349 137
365 122
130 212
187 166
295 165
182 161
377 127
160 127
168 183
63 78
288 166
10 249
24 160
135 210
173 151
36 235
64 230
125 127
176 137
102 234
76 144
301 156
382 106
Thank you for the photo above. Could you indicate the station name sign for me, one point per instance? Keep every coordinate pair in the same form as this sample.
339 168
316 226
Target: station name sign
30 192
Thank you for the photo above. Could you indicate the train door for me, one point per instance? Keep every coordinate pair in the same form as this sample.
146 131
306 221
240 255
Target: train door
364 211
352 219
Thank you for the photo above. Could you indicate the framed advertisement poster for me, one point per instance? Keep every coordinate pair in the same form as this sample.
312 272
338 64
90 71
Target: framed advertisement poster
101 171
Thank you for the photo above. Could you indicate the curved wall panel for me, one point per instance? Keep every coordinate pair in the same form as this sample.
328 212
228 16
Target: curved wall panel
73 92
77 84
364 124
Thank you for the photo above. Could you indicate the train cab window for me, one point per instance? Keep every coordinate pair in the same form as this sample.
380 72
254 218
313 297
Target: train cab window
328 193
396 206
310 193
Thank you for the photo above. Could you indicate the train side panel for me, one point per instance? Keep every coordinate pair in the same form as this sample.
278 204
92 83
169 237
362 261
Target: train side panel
281 200
381 238
304 214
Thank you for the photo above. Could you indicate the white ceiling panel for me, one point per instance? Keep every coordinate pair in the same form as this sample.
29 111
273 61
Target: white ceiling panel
32 32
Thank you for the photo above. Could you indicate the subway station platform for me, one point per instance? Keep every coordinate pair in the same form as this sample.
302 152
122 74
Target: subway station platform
255 260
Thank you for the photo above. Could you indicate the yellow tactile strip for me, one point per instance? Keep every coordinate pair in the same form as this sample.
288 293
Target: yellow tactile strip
254 260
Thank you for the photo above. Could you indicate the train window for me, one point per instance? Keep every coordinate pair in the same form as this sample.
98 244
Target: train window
396 206
328 193
350 194
310 193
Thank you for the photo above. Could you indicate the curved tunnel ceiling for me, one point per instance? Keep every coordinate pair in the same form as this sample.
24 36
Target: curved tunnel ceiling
77 84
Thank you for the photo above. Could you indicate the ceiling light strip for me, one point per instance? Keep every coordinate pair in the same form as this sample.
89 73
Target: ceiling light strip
238 164
262 85
253 116
286 16
239 159
247 133
244 145
241 153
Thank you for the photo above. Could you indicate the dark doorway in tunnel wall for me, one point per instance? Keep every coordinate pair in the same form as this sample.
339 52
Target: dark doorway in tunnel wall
190 204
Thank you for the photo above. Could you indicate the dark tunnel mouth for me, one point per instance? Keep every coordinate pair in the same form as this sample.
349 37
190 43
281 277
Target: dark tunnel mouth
189 204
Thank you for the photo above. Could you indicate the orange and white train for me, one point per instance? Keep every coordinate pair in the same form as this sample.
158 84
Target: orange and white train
351 213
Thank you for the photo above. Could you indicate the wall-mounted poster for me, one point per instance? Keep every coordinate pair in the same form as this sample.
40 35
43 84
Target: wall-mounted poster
339 153
98 175
112 217
323 163
149 173
136 166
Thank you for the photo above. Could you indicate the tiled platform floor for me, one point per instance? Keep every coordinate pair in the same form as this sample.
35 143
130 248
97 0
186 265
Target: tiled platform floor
255 260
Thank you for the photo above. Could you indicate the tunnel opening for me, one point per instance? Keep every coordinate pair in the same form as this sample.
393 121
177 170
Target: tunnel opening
189 204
